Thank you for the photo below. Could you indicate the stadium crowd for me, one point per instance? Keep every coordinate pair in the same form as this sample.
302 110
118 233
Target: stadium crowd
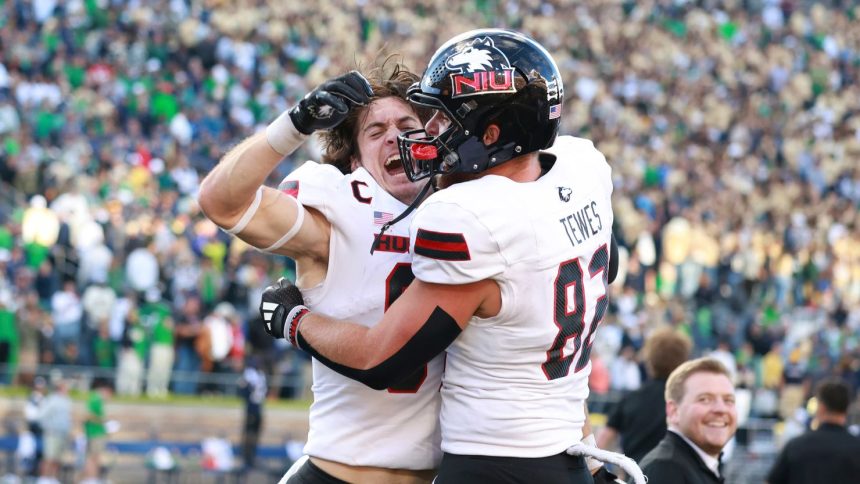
732 127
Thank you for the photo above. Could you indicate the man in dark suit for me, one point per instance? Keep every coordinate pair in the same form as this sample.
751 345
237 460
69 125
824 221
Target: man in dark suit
701 418
827 454
640 418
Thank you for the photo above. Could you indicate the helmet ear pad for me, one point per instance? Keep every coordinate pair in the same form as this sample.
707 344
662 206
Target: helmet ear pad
473 150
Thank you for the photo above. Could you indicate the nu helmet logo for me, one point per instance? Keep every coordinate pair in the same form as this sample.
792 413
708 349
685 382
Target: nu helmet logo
480 68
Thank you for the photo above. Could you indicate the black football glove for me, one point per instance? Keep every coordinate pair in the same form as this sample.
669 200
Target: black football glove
327 106
282 307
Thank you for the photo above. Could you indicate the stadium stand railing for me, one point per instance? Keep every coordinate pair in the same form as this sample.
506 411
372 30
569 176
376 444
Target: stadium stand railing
83 377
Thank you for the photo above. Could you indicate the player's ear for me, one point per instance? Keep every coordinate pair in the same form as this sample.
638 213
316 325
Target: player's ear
491 134
354 162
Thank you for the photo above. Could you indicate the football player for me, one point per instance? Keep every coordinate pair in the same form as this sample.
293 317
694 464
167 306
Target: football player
511 262
325 217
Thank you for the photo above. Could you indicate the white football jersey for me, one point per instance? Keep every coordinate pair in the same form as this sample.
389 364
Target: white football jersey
515 384
350 422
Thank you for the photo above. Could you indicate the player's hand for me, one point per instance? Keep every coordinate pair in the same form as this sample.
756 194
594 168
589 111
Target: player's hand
328 105
282 307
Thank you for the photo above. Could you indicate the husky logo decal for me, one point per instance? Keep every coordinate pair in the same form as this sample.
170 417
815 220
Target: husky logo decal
564 194
480 68
321 112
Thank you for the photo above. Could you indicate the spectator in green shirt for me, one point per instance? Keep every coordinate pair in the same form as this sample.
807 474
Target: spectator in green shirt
95 433
158 318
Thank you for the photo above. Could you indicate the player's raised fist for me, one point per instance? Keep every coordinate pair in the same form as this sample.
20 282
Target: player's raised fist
328 105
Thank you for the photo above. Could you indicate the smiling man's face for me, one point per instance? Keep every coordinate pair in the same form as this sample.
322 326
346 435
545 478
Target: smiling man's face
706 414
378 153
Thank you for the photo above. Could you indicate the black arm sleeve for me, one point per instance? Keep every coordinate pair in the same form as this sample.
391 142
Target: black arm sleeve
613 260
439 331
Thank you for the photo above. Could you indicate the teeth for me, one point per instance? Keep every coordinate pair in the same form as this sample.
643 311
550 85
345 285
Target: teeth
391 159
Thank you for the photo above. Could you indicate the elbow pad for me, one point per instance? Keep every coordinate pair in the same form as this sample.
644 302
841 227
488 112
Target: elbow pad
437 333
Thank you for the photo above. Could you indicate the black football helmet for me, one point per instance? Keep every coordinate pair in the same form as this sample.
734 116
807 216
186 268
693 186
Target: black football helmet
483 77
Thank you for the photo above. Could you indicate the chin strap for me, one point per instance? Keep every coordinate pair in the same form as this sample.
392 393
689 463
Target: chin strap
412 206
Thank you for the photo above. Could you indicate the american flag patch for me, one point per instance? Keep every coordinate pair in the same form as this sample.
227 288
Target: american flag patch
555 111
382 218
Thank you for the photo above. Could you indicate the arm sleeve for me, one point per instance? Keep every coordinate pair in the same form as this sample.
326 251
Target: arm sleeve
435 335
450 245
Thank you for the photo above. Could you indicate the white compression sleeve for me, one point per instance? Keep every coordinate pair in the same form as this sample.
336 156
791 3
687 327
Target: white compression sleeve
248 215
300 218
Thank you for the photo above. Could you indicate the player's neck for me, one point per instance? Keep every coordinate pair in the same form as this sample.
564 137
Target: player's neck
525 168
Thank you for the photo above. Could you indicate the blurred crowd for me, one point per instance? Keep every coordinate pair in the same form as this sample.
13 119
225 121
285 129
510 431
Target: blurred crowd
733 130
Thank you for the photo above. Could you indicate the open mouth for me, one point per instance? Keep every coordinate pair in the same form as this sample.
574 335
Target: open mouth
393 165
